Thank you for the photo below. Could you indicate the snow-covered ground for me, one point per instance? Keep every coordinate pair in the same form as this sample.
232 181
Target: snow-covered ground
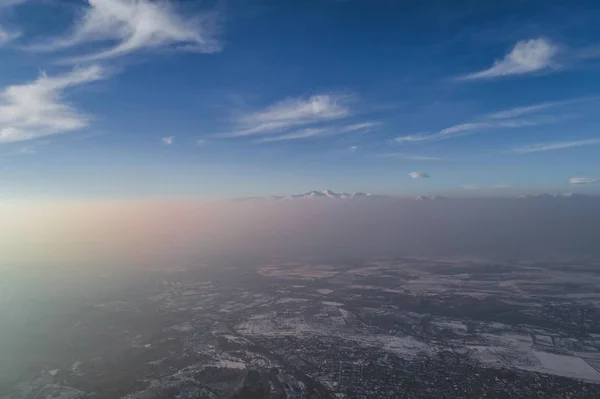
324 291
567 366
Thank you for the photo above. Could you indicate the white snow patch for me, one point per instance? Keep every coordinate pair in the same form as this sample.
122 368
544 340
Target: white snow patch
76 367
364 287
288 300
404 346
567 366
184 327
234 339
230 364
324 291
454 325
264 316
53 372
485 355
329 303
393 291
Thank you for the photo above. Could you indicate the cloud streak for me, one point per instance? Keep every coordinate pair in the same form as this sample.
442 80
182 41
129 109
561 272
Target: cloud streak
476 187
10 3
520 111
556 146
37 109
535 108
6 36
127 26
527 56
464 129
300 134
292 113
167 140
412 157
582 180
419 175
321 131
360 126
513 118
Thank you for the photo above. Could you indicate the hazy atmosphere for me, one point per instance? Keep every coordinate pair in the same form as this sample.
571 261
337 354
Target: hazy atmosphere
299 199
176 234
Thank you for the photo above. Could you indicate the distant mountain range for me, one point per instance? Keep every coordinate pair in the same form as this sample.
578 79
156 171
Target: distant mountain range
553 196
325 194
331 195
429 198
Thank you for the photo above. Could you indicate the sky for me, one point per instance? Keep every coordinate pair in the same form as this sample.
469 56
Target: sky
122 99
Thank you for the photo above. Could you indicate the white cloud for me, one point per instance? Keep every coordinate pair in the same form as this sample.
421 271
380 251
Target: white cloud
422 158
353 148
167 140
530 109
10 3
589 52
414 137
126 26
519 111
506 119
582 180
38 109
300 134
6 36
526 56
412 157
200 142
292 113
320 131
556 146
470 128
360 126
485 188
32 147
419 175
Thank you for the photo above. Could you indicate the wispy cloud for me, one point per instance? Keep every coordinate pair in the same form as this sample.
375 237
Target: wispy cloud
300 134
7 36
476 187
32 148
320 132
520 111
10 3
470 128
419 175
527 56
411 157
38 109
360 126
292 113
556 146
588 52
168 140
513 118
422 158
582 180
535 108
127 26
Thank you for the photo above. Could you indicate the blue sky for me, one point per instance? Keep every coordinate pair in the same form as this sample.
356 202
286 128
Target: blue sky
137 99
